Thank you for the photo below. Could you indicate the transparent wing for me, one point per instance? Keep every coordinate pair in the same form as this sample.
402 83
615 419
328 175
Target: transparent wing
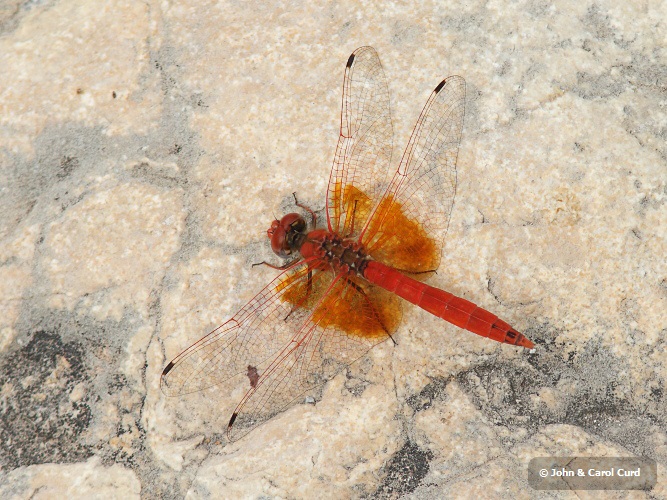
248 342
408 226
351 317
363 155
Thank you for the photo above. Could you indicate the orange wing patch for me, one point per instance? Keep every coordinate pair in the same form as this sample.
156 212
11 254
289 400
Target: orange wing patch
400 242
352 306
392 237
353 206
359 310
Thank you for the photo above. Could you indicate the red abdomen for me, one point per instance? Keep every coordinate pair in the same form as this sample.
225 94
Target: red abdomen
456 310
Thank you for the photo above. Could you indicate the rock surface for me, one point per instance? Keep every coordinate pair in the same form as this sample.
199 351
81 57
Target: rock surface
145 148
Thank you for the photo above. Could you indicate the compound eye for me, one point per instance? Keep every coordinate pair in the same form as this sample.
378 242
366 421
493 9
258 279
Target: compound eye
299 225
274 226
282 233
279 241
288 221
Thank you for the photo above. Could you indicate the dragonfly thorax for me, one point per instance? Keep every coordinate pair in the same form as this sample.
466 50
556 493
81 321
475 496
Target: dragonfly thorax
342 255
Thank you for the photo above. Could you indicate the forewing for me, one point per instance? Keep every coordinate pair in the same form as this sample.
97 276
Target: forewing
408 227
246 344
350 318
359 172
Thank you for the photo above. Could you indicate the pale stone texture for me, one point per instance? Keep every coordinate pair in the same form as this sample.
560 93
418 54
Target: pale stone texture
87 479
145 148
124 229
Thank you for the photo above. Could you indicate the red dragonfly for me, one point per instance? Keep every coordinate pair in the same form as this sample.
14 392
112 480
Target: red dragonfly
339 293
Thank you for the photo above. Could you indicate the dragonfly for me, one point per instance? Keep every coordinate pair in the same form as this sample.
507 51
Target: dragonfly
340 290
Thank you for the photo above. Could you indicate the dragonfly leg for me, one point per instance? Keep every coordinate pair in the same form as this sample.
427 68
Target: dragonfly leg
272 266
312 214
354 211
309 288
372 307
407 271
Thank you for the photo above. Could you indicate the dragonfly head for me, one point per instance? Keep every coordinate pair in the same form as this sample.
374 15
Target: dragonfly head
284 234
